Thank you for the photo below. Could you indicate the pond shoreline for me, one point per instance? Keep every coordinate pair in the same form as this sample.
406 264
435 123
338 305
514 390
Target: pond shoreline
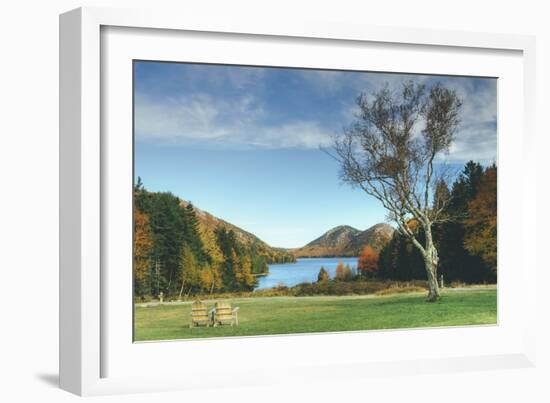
304 270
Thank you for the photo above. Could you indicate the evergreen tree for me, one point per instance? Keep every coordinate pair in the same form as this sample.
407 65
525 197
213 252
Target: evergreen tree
227 244
323 275
138 185
456 262
400 260
167 223
192 234
472 201
259 264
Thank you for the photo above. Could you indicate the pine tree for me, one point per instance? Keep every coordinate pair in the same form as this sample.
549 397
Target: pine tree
192 234
456 262
228 244
323 275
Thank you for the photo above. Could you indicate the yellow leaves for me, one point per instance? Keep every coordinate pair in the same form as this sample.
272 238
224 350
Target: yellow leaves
243 270
190 269
340 270
210 278
143 243
210 243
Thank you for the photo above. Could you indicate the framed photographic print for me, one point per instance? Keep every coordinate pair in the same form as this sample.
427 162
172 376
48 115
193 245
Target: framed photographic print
252 193
261 147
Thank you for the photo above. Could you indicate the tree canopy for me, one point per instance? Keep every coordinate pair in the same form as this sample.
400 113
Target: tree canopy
389 152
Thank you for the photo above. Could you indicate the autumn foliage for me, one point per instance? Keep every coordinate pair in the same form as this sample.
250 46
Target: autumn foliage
343 273
143 243
481 223
181 251
466 242
323 275
368 261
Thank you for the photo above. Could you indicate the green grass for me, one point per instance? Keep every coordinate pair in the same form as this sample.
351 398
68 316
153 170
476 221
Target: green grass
283 315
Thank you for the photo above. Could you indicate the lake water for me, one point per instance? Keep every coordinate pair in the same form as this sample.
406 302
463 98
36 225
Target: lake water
305 270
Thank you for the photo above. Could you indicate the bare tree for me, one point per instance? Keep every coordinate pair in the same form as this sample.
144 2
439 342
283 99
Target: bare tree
389 152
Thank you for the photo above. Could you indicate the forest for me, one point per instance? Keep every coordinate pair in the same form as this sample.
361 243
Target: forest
178 255
467 241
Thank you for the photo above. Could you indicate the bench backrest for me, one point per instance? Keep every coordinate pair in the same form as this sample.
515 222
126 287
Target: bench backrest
224 311
199 312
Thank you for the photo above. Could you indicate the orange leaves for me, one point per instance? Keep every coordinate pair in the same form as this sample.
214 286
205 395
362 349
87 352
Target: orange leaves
368 261
340 271
481 224
343 272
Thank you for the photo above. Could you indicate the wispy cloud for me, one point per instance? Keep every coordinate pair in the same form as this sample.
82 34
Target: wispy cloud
240 123
475 142
218 75
476 137
240 107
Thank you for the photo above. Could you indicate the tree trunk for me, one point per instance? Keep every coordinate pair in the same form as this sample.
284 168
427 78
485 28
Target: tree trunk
431 261
181 289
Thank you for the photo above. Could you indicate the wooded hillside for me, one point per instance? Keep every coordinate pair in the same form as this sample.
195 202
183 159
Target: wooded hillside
180 250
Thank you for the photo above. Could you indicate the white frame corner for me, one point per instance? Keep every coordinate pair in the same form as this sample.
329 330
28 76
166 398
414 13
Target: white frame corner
80 170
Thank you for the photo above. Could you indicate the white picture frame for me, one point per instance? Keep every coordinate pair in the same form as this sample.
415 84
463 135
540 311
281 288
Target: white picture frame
89 352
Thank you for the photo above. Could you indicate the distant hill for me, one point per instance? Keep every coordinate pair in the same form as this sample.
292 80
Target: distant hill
338 241
346 241
209 223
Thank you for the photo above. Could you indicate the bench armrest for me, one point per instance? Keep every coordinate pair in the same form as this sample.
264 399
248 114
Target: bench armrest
236 309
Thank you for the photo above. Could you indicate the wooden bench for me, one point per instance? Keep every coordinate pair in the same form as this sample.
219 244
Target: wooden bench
223 314
199 315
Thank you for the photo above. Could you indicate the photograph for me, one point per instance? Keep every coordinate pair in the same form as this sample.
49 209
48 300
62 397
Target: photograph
275 200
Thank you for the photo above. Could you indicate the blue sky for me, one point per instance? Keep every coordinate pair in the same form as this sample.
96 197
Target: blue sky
243 143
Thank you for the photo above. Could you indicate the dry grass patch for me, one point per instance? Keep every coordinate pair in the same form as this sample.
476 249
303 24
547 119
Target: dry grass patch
400 290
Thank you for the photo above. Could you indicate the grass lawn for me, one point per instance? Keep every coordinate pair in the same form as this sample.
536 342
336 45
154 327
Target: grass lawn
280 315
